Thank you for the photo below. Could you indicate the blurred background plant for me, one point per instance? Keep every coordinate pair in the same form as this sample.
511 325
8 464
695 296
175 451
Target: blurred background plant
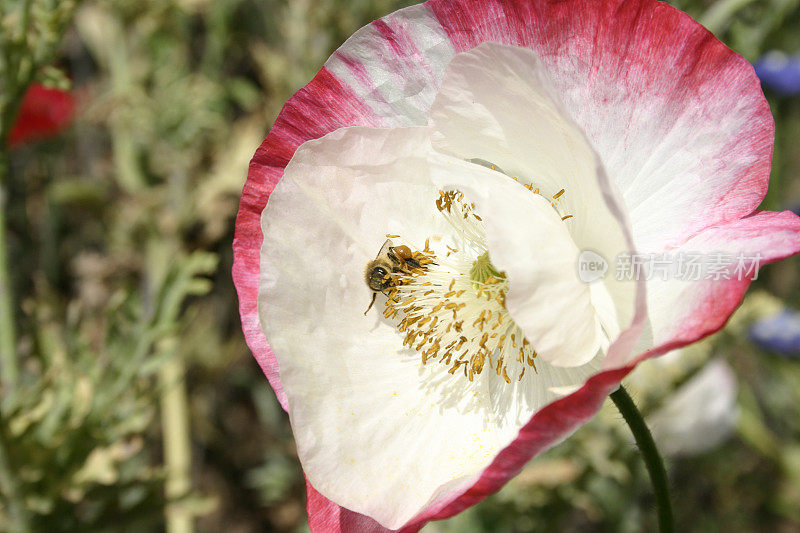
129 399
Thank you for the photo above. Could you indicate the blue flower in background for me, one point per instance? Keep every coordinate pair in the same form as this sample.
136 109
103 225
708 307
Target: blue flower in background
779 333
780 72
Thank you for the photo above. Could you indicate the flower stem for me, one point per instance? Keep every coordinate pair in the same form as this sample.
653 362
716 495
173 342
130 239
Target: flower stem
650 455
8 353
177 444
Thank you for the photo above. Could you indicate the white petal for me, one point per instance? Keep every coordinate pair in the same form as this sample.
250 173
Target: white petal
531 244
373 424
497 104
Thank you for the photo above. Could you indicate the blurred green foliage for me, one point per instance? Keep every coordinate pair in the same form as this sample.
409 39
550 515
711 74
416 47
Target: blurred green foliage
137 398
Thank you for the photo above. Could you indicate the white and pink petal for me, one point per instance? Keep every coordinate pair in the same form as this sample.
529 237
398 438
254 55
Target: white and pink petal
678 119
682 311
322 106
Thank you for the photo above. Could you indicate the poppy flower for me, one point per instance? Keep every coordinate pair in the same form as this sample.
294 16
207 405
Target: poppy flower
488 156
43 113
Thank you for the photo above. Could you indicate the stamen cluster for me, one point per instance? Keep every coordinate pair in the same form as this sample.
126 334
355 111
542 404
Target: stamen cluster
453 309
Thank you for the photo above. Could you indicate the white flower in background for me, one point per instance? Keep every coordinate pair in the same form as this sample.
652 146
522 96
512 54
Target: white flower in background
700 415
694 399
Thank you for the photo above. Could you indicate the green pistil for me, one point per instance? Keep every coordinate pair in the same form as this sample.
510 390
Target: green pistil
483 269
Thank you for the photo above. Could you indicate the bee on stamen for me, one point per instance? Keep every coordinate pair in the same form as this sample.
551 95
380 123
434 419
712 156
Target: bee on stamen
381 273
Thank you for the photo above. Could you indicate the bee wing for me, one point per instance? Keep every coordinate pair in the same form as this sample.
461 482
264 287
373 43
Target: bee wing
384 251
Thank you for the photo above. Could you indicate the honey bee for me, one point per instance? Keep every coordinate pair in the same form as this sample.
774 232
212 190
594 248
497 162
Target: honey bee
390 260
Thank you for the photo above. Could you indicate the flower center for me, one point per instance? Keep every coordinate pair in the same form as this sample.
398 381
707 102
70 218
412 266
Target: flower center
452 310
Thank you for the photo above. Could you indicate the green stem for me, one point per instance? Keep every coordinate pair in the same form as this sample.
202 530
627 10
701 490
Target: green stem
655 466
8 352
